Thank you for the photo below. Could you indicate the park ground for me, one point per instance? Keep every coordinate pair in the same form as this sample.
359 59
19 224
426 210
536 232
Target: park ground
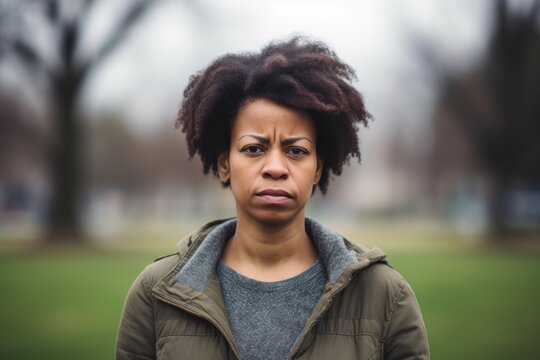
478 301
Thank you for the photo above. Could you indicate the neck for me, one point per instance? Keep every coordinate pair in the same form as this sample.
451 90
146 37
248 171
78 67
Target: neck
270 252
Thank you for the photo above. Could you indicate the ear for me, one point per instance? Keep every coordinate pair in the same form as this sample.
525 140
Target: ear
223 167
318 172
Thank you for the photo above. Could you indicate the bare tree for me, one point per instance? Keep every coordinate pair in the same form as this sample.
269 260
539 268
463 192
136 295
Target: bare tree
488 117
65 68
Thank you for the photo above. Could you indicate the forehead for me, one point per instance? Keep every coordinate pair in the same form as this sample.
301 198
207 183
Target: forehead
263 116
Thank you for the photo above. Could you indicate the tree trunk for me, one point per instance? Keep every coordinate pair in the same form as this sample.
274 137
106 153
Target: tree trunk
63 224
498 214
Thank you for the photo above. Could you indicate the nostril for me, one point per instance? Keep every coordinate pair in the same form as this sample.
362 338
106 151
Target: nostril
275 174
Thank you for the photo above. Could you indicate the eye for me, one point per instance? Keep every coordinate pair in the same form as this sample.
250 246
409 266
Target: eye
252 149
297 151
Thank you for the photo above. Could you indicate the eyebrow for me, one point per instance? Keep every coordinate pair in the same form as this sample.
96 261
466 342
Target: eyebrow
266 139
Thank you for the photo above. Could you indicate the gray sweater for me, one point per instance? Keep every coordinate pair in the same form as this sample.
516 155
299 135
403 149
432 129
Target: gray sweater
267 317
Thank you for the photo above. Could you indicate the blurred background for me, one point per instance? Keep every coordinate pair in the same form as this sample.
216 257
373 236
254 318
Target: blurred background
95 181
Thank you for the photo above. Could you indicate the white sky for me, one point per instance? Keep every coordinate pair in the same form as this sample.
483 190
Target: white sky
145 77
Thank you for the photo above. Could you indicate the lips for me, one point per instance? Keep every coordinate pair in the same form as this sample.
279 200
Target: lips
274 192
274 197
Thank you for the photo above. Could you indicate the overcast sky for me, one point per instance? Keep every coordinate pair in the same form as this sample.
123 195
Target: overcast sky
145 77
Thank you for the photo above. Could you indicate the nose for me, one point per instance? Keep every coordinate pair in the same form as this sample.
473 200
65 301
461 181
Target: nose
275 166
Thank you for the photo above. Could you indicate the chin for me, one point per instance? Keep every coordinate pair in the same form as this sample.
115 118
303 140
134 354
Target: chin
275 217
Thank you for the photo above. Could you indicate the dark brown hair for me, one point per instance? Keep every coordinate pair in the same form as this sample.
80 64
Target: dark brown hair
298 73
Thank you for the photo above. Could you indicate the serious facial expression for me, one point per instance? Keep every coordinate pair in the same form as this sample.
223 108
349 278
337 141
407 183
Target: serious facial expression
272 162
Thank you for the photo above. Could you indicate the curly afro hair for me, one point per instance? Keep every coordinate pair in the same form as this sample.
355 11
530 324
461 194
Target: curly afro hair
298 73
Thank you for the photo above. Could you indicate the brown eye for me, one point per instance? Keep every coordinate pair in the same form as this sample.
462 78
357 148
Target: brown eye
296 151
252 149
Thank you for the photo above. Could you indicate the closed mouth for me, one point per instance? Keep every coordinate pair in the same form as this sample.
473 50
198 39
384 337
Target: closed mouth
274 192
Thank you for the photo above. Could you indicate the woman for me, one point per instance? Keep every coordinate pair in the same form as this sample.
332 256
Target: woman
271 283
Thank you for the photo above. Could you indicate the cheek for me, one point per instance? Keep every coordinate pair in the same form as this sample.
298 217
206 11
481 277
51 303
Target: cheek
242 175
307 175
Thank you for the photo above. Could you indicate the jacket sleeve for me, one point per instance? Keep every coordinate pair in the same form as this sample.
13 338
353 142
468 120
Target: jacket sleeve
406 336
136 334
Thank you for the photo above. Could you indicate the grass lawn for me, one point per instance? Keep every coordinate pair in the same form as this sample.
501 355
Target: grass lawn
477 305
66 305
63 306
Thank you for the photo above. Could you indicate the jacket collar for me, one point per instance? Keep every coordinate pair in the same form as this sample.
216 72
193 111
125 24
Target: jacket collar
337 253
192 285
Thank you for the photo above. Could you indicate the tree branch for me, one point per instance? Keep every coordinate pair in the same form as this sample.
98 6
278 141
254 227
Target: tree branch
27 54
129 19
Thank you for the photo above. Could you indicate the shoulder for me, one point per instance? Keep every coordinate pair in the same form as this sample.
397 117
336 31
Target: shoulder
160 268
379 277
377 287
164 265
378 283
377 292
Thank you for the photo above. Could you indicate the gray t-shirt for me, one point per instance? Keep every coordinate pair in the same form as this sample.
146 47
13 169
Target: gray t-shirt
267 317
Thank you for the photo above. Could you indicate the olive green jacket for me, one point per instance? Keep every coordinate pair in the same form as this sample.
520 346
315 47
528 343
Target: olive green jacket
175 309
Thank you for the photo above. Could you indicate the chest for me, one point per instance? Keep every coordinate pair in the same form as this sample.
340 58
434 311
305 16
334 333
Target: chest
345 331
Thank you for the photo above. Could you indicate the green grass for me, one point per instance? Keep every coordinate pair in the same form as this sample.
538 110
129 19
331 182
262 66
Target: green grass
476 304
63 306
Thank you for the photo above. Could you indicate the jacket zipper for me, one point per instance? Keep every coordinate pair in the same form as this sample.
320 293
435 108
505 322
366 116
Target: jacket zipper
197 314
318 317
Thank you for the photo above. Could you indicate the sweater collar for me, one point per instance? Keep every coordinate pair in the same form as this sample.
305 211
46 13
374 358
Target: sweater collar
337 254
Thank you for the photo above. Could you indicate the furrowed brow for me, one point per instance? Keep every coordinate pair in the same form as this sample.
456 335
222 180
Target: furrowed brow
260 138
293 139
285 142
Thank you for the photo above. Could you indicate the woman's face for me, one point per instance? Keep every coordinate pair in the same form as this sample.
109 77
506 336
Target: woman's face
272 162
